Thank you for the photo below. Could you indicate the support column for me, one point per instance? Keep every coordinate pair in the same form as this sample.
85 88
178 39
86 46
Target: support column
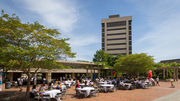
35 79
105 72
48 77
86 72
11 76
177 74
163 73
99 73
91 75
174 74
167 73
72 76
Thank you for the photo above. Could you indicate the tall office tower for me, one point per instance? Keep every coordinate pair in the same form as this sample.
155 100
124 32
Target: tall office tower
117 35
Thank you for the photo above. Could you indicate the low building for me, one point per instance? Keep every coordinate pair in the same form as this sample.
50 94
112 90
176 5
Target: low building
78 69
170 61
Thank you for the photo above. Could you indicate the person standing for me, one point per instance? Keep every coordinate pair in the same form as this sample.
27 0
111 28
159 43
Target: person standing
157 81
77 86
20 82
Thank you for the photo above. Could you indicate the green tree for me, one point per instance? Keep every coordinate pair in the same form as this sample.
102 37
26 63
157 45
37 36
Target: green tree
135 64
30 46
107 59
100 56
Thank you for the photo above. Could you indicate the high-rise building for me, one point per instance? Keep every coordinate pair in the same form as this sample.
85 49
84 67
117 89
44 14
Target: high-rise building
117 35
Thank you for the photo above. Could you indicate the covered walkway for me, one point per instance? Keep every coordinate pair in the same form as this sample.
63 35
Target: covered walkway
165 72
78 69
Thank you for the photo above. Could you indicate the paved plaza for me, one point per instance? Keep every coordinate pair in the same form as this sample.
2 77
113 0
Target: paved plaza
156 93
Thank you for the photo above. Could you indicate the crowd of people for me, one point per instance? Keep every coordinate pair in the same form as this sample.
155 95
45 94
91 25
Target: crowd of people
120 83
52 85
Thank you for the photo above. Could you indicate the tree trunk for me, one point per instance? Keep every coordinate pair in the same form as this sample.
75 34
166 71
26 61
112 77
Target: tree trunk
28 85
4 74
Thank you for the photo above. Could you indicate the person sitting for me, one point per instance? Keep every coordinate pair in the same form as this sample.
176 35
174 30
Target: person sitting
102 80
50 87
114 82
88 81
139 84
97 79
77 84
42 88
110 81
121 84
66 82
95 86
86 85
135 82
91 83
143 84
34 91
139 81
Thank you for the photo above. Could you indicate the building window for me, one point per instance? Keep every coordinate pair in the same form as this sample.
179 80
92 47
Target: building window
116 29
130 52
113 54
130 38
130 43
102 34
129 32
102 29
116 34
116 44
102 39
118 53
130 48
102 24
116 49
129 27
123 53
130 21
116 39
103 49
102 44
114 24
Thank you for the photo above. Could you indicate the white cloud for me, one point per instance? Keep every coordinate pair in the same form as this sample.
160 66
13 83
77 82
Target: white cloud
59 13
64 15
85 46
81 41
162 41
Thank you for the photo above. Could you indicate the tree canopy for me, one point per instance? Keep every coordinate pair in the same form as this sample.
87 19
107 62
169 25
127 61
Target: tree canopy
30 45
107 59
135 64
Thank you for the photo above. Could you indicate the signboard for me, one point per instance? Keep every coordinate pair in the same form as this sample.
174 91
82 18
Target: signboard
1 74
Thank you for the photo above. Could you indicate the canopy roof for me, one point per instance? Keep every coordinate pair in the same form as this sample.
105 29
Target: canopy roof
161 68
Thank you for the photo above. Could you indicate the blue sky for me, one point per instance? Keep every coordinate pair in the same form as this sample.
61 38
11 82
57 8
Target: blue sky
155 25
